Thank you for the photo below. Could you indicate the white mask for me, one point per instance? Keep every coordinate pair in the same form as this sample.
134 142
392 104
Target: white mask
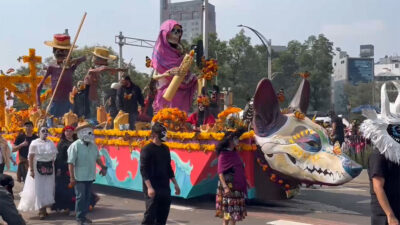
163 136
86 135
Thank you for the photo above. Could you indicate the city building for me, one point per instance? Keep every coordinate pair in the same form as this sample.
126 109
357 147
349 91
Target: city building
190 15
387 68
350 70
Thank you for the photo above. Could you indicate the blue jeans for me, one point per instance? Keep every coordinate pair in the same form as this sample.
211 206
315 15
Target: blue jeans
83 190
59 108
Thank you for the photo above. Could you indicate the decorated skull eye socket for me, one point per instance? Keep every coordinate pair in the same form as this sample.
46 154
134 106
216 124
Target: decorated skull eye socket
308 140
394 132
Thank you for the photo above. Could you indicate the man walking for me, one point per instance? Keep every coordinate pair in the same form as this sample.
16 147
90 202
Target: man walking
128 97
21 144
82 158
156 170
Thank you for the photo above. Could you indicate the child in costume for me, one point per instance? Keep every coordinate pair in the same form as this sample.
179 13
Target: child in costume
167 57
61 45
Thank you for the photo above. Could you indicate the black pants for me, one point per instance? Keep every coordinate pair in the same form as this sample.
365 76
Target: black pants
2 167
132 120
157 209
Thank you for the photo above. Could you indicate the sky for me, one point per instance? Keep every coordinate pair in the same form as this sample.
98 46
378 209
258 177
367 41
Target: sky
347 23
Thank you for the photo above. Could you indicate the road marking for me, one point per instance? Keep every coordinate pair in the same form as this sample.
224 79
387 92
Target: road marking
100 194
366 201
183 208
286 222
335 189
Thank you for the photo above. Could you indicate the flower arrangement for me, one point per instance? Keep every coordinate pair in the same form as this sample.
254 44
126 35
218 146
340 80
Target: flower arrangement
204 100
172 118
229 119
15 119
46 95
210 69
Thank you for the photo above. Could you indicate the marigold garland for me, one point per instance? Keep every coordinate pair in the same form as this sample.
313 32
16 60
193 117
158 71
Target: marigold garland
210 69
172 118
228 111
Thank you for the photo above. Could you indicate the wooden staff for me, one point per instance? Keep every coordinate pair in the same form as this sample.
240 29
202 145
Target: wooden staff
66 63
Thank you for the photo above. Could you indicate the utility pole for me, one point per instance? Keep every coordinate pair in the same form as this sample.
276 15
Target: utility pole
120 44
205 30
121 40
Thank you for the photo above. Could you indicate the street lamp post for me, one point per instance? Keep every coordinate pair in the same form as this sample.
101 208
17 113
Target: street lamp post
267 44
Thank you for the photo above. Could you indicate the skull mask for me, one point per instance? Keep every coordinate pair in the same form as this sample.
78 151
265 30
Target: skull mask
86 135
174 36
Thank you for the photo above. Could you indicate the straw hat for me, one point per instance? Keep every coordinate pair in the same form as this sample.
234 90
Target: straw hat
61 41
103 53
82 125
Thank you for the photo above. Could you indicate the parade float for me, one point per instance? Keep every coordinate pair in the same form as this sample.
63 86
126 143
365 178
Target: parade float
284 150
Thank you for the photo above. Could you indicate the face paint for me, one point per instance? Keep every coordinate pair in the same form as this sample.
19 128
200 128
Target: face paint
44 132
60 54
86 135
201 107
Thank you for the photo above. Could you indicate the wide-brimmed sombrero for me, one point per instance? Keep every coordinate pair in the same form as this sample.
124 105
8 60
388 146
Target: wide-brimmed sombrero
103 53
61 41
83 125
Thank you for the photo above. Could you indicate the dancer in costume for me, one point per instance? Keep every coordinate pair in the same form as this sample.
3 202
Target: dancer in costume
384 163
61 45
232 184
167 57
38 192
203 115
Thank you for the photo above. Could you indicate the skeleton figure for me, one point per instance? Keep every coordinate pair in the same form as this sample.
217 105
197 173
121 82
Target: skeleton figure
384 129
294 145
248 112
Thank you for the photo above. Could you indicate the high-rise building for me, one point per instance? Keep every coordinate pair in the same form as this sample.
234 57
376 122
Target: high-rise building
190 15
348 70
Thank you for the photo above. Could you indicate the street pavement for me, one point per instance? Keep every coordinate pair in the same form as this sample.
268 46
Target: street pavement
347 204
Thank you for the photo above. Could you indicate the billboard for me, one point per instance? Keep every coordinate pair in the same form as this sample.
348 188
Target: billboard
360 70
366 50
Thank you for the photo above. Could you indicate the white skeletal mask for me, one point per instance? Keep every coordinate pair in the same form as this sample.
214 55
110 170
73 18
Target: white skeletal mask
175 35
86 135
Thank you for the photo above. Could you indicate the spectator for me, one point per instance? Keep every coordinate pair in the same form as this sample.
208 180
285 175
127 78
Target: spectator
8 211
337 133
21 144
156 170
128 97
5 155
111 100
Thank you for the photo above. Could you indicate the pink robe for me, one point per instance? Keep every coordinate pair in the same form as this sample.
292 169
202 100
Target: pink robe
165 58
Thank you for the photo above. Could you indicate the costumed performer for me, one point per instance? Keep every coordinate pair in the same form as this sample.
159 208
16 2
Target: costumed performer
203 116
61 45
167 57
384 162
38 192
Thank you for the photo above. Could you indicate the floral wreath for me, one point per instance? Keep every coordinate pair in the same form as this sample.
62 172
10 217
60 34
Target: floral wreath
204 100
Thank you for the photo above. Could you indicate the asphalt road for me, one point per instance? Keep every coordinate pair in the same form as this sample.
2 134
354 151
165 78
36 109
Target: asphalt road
347 204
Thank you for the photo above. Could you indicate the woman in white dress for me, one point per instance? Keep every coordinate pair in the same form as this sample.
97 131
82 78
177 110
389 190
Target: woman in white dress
38 192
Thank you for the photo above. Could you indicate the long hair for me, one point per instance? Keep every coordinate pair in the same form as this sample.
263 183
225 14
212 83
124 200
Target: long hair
229 135
64 138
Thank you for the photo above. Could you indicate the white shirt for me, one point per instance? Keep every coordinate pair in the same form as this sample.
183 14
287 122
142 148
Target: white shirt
44 150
